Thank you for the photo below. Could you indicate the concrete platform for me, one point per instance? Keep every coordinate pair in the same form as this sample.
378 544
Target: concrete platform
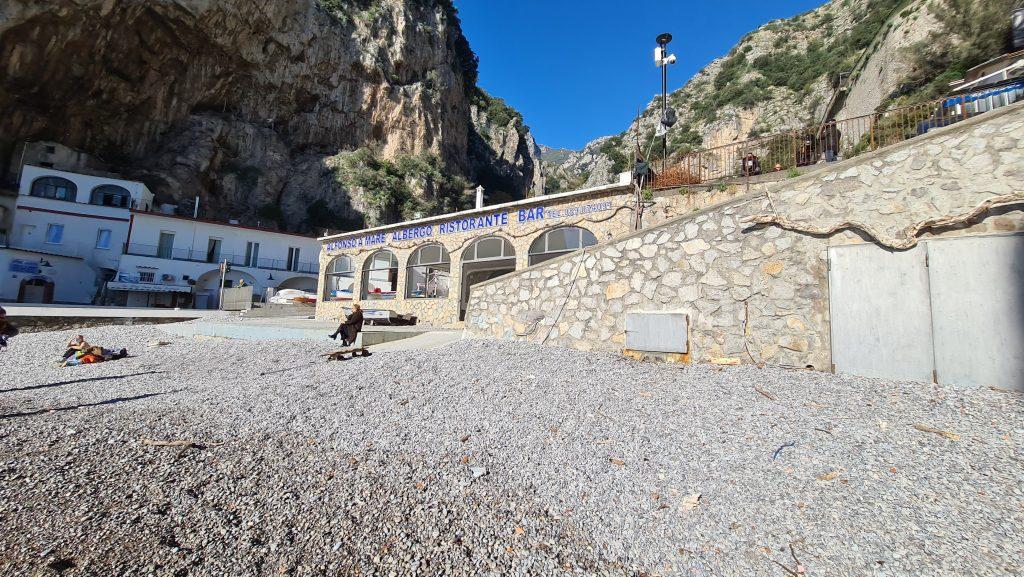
33 318
312 329
95 312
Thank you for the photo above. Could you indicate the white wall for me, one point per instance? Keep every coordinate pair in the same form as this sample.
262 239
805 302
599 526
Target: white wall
81 221
33 216
74 280
191 240
189 252
141 195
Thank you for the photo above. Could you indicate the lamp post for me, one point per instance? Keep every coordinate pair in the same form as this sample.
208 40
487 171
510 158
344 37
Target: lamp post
662 59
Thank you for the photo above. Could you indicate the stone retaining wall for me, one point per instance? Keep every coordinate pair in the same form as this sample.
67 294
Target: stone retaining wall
760 293
605 225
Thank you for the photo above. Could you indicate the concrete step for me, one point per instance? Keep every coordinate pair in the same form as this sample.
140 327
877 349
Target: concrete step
292 329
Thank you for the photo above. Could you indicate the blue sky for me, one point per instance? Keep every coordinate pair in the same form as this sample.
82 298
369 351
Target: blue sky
578 69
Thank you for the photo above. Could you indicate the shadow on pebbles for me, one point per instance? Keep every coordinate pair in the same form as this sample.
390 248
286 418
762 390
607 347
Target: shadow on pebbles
491 458
281 507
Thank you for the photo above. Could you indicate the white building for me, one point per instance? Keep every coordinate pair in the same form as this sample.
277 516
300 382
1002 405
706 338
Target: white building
66 234
175 261
71 233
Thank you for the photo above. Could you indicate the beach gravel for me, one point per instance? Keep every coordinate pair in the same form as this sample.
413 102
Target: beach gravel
225 457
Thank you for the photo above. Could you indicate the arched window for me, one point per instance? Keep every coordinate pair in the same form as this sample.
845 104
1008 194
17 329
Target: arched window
559 241
489 248
380 276
339 278
54 187
428 273
111 195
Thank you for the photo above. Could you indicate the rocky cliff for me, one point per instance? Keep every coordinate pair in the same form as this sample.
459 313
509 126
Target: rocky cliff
256 107
785 75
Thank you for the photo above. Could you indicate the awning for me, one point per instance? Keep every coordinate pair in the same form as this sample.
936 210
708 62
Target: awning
148 288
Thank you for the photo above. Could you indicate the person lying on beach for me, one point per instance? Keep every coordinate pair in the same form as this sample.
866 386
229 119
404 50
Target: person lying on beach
92 355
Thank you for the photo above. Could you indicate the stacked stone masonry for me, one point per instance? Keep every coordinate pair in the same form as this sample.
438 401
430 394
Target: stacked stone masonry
760 293
614 220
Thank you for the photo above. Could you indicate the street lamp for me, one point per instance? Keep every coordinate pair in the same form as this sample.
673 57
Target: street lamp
662 59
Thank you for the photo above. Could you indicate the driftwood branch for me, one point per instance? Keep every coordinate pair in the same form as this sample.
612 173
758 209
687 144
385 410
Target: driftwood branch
907 238
177 443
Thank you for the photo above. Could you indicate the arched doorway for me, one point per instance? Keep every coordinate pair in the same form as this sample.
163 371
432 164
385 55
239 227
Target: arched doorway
37 289
487 258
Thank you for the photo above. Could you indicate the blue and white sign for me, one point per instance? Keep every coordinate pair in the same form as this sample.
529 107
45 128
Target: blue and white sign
467 224
23 265
473 223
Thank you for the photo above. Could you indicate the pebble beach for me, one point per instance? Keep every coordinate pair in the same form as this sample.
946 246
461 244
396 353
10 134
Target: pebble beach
200 456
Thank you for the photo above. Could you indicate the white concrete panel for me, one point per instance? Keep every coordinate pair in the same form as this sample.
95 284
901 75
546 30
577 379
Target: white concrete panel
881 320
977 294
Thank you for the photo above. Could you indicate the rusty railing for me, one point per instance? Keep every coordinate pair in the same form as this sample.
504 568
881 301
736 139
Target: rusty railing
837 140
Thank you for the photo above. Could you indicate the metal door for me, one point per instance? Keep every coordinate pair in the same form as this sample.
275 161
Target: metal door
977 300
881 320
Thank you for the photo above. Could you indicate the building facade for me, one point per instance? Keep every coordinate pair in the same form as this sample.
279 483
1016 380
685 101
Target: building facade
78 238
66 234
426 267
174 261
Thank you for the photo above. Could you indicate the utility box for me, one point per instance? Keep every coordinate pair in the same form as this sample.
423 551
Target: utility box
658 332
237 299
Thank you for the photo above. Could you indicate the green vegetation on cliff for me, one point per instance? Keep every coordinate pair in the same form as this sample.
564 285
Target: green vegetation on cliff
402 188
973 31
744 83
496 110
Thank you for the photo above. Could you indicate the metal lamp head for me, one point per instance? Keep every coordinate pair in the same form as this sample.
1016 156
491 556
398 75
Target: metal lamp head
663 39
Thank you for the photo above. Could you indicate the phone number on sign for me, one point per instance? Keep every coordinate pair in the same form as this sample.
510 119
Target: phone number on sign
577 210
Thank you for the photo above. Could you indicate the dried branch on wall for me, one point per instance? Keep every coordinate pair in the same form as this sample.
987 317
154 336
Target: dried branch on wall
906 240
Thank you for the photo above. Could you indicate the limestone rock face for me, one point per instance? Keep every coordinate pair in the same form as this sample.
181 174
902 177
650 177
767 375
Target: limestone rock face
590 163
505 157
768 82
243 103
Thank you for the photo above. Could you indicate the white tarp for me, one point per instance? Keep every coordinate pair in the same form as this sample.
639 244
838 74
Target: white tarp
288 296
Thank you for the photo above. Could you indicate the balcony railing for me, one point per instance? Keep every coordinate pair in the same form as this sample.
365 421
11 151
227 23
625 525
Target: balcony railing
214 258
68 248
789 151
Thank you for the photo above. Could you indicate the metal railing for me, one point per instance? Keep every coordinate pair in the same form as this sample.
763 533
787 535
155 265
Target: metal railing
215 258
789 151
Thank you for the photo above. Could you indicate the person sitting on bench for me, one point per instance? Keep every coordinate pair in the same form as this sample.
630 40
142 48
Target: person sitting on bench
350 327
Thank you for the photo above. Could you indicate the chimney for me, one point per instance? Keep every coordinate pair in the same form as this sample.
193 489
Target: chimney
479 197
